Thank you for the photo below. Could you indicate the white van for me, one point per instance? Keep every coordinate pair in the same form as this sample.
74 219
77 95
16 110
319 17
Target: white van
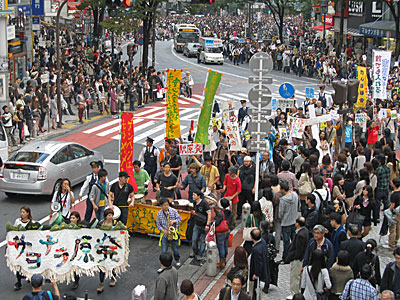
211 50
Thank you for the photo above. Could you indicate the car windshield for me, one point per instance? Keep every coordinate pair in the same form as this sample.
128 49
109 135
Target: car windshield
213 50
32 157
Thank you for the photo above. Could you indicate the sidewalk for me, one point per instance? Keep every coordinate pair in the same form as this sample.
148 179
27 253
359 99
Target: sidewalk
208 287
70 122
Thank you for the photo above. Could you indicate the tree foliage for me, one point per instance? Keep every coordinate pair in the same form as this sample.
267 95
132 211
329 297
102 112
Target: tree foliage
278 9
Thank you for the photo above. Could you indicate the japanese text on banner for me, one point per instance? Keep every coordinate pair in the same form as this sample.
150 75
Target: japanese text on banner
230 121
190 149
173 122
381 66
126 155
203 123
363 87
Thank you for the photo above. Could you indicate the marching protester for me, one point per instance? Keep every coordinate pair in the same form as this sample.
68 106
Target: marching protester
87 187
121 195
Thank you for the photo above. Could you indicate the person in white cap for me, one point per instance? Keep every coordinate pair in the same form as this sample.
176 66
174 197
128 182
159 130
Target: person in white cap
247 175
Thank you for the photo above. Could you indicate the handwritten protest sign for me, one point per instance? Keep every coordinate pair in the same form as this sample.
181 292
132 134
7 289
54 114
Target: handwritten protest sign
361 119
297 128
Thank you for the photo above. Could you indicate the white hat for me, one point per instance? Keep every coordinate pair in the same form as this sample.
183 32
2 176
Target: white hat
247 158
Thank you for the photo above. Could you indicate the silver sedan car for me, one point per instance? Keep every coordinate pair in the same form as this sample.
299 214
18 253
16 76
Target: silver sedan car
38 167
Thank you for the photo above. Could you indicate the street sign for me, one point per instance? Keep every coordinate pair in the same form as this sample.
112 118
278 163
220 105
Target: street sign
35 23
286 90
274 103
141 30
4 66
6 12
264 80
26 9
140 41
309 93
265 98
261 61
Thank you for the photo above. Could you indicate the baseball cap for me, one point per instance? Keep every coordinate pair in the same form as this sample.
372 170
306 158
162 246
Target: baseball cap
36 280
123 174
243 150
247 158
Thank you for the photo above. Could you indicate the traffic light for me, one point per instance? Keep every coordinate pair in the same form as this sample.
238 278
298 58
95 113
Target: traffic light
112 6
126 3
352 91
340 95
132 49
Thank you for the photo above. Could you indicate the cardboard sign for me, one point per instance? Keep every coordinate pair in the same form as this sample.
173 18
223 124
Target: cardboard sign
361 119
190 149
297 128
393 115
309 93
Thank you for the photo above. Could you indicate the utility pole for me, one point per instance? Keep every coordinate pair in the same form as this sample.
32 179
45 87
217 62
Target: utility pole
324 8
58 82
153 43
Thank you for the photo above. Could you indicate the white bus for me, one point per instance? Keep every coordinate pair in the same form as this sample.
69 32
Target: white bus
185 33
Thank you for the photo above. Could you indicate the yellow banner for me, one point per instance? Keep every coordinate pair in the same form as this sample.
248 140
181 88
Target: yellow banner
173 122
363 87
142 218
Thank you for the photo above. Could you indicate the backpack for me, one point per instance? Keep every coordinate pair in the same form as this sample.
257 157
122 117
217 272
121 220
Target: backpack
40 296
323 206
290 155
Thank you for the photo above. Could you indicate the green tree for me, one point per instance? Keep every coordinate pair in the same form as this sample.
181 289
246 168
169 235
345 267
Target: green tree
98 8
278 9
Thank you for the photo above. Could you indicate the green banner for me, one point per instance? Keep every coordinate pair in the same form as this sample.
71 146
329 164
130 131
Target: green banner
205 115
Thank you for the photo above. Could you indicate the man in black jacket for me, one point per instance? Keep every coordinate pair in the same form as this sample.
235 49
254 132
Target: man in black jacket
247 175
295 255
354 244
311 214
259 268
391 275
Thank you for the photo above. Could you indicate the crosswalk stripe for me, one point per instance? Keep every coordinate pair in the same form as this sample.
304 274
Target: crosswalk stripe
146 111
150 132
116 128
243 95
137 129
192 116
101 126
234 96
193 99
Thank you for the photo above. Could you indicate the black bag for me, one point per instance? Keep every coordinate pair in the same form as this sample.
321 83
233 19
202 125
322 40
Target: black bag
355 218
274 272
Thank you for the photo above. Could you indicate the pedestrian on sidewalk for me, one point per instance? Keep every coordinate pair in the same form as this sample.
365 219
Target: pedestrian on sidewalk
259 266
8 126
240 267
202 219
231 190
19 118
295 256
236 291
166 287
223 220
53 112
187 289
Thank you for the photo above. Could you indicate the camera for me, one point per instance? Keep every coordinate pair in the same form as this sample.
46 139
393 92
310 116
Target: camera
47 280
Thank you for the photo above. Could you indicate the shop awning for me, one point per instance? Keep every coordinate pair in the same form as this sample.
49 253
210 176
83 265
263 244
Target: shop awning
321 27
72 4
378 29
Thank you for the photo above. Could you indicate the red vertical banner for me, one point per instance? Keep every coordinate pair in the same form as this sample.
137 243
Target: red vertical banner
126 147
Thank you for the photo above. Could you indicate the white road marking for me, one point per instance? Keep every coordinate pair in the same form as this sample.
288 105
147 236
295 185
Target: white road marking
101 126
136 129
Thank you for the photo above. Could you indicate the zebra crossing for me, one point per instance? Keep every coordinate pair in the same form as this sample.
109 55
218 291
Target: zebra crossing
150 121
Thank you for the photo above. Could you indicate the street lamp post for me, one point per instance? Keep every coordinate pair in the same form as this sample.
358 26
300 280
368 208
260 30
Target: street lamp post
58 82
324 8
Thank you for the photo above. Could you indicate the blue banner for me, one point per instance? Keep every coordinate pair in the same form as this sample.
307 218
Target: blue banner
38 7
26 9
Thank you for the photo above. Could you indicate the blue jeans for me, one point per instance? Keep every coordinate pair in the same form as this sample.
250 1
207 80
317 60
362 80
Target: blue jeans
288 233
100 213
222 244
199 236
381 196
174 246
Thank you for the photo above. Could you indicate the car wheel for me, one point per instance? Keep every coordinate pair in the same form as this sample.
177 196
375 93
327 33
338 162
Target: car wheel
10 195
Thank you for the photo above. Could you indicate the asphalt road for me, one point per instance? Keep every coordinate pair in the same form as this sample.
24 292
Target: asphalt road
144 253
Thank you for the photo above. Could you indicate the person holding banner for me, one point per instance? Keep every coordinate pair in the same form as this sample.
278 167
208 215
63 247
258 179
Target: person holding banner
209 171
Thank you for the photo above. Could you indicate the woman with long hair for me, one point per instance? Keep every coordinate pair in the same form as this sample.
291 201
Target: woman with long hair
240 266
254 220
65 198
314 165
373 180
393 164
338 187
369 257
364 204
324 145
363 181
315 276
306 184
349 186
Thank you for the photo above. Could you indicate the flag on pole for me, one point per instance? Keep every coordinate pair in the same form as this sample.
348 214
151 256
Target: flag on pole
213 80
126 148
173 122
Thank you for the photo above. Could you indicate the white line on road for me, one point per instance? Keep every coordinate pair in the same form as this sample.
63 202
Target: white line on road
225 84
136 129
99 127
111 161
